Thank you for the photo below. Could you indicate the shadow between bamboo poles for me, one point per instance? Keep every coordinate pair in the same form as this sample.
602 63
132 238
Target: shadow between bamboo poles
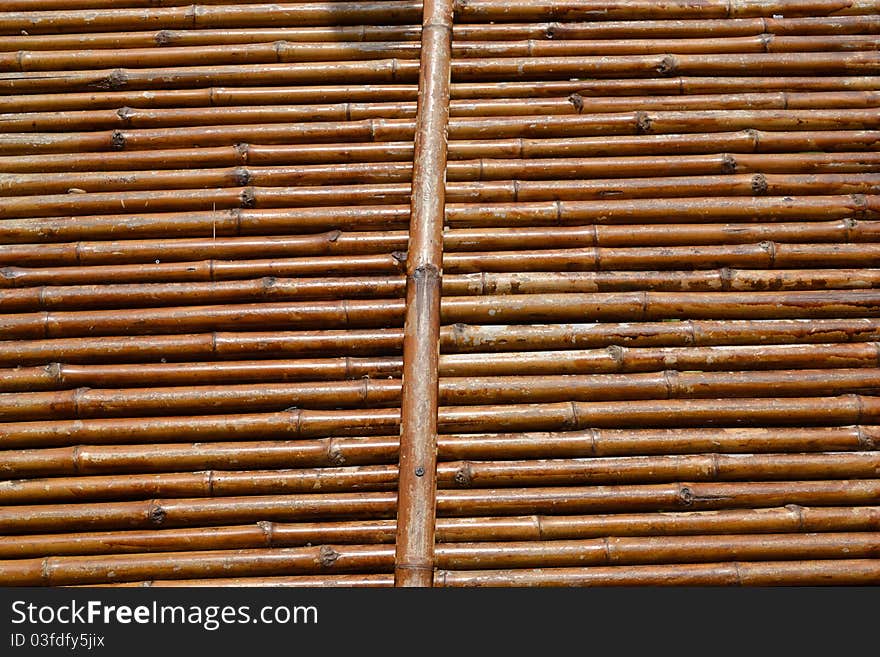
417 490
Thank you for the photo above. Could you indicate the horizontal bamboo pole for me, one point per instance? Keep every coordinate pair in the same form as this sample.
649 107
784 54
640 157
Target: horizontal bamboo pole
346 93
298 423
55 571
611 239
658 29
773 573
745 141
211 15
162 513
272 273
459 338
740 185
137 118
273 51
524 10
372 450
791 518
30 299
377 71
208 14
467 170
627 470
133 402
375 313
458 215
613 359
493 127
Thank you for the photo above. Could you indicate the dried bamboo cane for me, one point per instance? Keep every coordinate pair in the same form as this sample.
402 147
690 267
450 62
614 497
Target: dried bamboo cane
788 519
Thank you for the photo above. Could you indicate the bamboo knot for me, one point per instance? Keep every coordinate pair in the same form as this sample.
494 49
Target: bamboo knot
686 495
759 184
577 101
327 556
163 37
156 514
464 476
117 140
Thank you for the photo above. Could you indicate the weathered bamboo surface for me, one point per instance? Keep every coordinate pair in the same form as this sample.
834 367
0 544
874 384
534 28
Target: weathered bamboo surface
484 293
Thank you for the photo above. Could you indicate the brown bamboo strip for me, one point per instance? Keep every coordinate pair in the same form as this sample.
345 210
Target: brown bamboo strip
382 130
100 297
453 391
468 170
136 118
457 475
526 10
161 513
308 581
299 423
66 41
209 15
668 29
56 376
281 50
459 338
791 518
56 571
610 238
762 255
371 450
549 213
469 192
218 96
375 313
467 70
788 573
749 141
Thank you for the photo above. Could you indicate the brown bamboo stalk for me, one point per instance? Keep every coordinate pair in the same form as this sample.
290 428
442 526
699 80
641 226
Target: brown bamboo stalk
613 359
217 96
467 170
628 470
459 338
55 571
162 513
791 518
371 450
293 14
548 213
736 27
382 130
774 573
564 416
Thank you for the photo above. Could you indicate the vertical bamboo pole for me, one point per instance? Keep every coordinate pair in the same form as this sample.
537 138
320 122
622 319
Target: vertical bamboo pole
414 560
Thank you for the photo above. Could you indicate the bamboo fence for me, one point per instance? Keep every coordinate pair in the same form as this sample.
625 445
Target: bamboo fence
441 293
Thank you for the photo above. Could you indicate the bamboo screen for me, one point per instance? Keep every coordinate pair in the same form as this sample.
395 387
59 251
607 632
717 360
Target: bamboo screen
660 318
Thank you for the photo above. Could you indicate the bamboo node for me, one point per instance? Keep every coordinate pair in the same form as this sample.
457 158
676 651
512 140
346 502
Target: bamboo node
243 150
327 556
866 441
117 140
118 79
163 37
728 163
578 101
668 65
798 510
464 476
248 198
241 176
760 184
125 113
268 529
686 495
156 514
